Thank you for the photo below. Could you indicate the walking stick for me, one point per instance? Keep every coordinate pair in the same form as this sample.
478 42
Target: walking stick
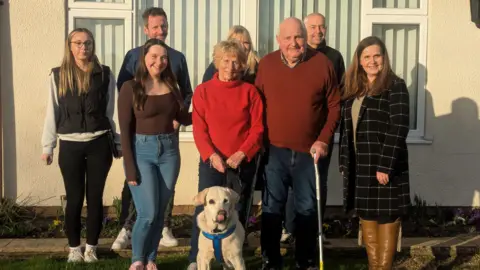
319 208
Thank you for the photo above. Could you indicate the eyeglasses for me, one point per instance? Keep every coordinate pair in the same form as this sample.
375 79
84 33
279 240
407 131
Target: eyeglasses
79 44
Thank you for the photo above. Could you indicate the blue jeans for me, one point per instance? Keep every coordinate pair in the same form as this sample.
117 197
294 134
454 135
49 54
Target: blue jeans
209 177
324 164
158 164
285 168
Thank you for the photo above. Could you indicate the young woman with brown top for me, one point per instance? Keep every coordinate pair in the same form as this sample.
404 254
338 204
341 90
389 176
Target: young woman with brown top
373 150
147 107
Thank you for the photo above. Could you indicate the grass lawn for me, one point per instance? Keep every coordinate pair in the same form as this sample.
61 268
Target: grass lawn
173 262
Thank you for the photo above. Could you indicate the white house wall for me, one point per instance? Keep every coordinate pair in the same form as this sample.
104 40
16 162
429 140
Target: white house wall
443 172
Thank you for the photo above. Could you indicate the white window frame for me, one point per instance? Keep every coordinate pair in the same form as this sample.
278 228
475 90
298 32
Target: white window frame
371 16
104 14
73 4
368 9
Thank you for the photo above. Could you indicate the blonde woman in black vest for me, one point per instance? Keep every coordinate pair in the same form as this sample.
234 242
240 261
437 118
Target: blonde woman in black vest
373 150
80 112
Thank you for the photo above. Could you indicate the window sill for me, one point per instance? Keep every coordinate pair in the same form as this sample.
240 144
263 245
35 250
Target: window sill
187 136
418 140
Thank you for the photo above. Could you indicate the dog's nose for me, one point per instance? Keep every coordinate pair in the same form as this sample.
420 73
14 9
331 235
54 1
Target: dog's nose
221 216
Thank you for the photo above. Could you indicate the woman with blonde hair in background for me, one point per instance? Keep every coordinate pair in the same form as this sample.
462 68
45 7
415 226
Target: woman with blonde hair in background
80 112
240 34
373 150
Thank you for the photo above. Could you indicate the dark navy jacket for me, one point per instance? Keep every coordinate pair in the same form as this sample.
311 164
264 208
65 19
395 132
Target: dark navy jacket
177 62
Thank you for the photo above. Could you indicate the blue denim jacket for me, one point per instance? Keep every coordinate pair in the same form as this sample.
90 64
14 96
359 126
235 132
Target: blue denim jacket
177 62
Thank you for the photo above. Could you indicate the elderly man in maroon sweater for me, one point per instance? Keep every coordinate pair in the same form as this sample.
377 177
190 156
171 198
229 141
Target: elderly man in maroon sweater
302 109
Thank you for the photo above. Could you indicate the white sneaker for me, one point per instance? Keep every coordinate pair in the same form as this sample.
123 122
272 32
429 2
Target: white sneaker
168 240
285 236
123 240
75 255
90 255
192 266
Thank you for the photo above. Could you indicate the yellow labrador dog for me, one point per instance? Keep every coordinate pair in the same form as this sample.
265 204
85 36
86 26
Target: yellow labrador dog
222 235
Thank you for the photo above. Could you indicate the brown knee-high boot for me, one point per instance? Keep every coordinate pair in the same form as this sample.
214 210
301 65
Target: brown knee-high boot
387 244
370 240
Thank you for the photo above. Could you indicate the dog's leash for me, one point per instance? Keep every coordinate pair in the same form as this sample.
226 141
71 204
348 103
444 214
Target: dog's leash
233 180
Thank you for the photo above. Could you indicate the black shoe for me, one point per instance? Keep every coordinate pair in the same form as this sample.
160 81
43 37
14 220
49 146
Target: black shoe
268 266
307 266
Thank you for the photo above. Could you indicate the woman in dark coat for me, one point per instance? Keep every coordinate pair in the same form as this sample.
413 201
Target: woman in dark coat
373 151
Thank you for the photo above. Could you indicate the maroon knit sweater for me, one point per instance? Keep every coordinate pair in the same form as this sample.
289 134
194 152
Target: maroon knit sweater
302 103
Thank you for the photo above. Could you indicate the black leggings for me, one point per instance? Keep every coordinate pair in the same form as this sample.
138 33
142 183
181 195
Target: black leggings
79 161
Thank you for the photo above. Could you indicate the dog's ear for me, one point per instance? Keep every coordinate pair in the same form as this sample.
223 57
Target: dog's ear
199 199
233 195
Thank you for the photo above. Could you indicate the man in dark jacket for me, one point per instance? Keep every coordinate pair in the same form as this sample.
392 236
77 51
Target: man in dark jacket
316 32
155 26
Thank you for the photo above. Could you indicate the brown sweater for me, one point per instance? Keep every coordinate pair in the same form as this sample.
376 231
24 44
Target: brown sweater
302 103
156 118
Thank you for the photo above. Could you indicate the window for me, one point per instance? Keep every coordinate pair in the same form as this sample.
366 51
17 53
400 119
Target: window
110 22
402 25
195 26
342 21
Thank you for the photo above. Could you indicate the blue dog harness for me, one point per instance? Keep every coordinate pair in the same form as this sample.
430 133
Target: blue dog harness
217 242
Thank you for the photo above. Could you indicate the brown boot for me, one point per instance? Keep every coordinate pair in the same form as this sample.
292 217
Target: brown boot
370 240
387 244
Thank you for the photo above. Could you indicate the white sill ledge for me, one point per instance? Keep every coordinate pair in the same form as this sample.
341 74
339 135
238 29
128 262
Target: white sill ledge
187 136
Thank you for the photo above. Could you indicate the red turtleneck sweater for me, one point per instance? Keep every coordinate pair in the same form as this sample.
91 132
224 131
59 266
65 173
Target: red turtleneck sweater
227 117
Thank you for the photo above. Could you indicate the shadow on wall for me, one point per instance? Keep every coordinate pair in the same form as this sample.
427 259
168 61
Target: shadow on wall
7 105
455 151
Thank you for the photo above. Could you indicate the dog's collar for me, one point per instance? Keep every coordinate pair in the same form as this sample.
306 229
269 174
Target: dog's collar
217 242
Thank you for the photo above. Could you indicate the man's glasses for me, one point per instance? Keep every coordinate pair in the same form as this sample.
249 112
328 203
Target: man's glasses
79 44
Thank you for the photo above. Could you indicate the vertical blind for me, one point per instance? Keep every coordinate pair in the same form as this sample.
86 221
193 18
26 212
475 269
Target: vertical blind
195 27
396 3
109 35
342 21
401 41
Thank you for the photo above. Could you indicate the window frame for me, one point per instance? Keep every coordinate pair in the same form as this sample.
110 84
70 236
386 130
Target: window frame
73 4
249 17
126 16
371 16
368 9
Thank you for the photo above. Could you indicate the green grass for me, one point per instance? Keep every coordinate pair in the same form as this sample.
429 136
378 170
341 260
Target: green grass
173 262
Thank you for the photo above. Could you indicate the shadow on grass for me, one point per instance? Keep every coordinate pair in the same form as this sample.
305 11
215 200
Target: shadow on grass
173 262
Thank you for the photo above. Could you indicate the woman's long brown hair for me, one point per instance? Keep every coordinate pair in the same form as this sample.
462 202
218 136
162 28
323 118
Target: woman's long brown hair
142 75
356 81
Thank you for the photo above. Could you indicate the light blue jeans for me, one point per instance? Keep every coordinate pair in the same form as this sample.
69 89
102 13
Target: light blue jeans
158 165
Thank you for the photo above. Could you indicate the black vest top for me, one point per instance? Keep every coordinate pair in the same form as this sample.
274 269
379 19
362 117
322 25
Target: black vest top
85 113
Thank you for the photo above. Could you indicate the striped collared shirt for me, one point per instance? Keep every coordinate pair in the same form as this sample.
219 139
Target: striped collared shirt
284 60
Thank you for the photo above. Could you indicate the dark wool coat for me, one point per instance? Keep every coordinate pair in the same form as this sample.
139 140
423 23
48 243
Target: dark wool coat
382 129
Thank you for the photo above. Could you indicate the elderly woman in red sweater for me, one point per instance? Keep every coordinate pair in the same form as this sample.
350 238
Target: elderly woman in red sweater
227 128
